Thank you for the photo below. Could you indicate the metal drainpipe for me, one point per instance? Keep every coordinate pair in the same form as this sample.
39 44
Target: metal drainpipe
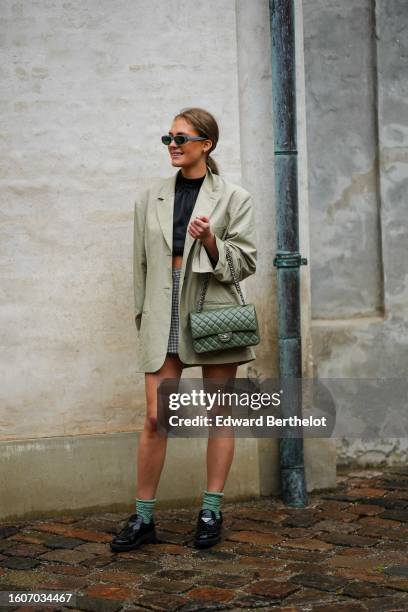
287 259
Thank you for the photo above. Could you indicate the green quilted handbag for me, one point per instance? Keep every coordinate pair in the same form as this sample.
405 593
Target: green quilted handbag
224 328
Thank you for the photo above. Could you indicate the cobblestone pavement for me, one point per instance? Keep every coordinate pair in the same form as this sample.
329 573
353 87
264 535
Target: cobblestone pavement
346 551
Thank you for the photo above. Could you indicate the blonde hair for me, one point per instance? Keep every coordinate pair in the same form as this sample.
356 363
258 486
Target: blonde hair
206 126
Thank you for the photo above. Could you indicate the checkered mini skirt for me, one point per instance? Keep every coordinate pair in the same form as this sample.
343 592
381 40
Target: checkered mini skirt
172 346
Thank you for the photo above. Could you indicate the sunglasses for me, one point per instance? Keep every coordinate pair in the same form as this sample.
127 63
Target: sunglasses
179 139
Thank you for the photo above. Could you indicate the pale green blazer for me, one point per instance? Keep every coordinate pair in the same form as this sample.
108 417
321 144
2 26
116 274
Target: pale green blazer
231 217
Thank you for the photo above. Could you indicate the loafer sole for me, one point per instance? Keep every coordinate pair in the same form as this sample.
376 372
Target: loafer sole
208 542
147 538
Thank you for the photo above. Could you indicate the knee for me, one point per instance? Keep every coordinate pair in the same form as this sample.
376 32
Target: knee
151 423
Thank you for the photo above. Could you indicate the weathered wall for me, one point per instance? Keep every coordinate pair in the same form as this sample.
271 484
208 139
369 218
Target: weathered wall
357 119
87 93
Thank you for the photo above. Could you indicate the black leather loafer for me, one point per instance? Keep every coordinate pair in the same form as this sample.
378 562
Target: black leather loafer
208 530
134 533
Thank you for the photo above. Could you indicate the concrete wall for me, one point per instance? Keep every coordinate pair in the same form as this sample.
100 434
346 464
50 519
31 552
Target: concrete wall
357 120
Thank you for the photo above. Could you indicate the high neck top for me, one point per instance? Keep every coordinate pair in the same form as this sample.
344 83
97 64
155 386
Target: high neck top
189 182
186 192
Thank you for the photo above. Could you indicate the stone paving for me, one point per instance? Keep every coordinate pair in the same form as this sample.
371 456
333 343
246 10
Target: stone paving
347 551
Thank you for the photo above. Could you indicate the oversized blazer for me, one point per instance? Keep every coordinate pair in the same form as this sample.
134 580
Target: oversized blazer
232 220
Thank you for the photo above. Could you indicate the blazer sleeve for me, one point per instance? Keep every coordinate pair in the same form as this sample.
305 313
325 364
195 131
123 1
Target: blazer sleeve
139 258
240 237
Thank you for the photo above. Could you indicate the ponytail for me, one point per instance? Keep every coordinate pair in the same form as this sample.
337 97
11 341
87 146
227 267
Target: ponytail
211 163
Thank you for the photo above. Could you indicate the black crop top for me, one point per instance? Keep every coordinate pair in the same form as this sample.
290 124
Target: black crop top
186 192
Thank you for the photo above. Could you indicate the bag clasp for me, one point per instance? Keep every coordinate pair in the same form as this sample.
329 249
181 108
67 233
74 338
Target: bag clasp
225 336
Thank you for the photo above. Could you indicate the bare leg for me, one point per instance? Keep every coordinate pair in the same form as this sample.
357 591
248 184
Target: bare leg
152 447
220 451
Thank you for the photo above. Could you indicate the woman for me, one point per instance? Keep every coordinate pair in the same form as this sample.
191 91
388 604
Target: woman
186 219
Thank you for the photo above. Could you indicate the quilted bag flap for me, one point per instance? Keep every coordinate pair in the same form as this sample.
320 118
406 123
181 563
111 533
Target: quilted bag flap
240 318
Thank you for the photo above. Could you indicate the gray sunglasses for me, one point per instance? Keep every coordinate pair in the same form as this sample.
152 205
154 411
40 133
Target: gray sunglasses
179 139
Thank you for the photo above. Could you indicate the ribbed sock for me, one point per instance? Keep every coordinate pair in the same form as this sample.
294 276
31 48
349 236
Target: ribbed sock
145 507
212 501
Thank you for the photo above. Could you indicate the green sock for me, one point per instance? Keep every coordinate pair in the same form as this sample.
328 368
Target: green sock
144 507
212 501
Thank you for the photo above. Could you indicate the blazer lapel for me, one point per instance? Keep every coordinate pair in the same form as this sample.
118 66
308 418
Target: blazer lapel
207 198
